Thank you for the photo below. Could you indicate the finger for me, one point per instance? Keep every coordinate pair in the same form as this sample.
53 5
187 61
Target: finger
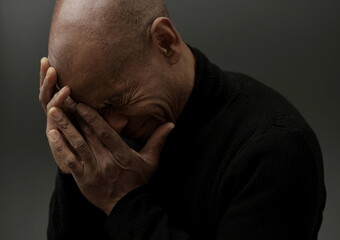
103 131
50 126
48 87
59 98
154 145
44 65
70 104
99 149
56 102
63 154
72 135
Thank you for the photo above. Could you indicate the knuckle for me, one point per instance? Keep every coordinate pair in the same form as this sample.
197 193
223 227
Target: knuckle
71 163
63 124
122 160
80 145
91 118
105 134
59 147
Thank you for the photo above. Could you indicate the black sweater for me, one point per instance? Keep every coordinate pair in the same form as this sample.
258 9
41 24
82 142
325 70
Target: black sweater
241 164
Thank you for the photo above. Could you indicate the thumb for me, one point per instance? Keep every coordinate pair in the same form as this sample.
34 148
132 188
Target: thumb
153 148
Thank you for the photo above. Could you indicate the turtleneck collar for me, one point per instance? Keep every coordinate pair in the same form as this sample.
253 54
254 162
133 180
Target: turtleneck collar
211 89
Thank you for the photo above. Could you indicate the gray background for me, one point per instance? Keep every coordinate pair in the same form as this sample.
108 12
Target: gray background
290 45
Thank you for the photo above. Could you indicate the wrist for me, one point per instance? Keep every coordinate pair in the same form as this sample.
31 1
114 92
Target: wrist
108 208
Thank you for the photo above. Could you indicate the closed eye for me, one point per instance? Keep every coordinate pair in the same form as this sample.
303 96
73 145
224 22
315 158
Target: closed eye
103 110
113 103
116 101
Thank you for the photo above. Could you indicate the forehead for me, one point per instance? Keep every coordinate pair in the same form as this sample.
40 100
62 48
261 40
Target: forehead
79 55
83 63
85 73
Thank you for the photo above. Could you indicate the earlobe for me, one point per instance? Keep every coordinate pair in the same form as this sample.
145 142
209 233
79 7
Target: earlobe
166 39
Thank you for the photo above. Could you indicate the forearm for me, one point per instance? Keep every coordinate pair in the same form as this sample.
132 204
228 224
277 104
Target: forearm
71 216
136 216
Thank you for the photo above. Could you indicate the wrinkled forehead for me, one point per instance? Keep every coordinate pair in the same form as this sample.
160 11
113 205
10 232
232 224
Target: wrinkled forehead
81 38
76 26
80 66
73 65
78 51
74 51
77 54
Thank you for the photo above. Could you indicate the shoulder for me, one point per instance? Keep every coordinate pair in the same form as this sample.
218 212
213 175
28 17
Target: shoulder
261 122
265 104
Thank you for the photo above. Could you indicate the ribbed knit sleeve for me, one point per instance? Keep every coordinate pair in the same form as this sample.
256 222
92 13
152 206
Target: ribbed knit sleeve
138 217
71 216
135 217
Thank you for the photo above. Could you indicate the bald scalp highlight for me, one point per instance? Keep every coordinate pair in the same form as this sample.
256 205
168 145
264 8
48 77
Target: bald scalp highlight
132 19
118 29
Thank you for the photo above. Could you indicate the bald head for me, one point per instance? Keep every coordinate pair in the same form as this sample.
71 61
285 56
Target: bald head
92 35
125 59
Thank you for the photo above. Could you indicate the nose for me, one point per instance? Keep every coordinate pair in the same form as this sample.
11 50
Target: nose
116 122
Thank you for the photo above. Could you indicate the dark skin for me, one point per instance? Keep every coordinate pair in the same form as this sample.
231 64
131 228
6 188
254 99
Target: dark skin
104 167
97 158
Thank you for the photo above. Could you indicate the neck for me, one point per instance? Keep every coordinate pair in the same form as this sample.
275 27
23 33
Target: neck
185 78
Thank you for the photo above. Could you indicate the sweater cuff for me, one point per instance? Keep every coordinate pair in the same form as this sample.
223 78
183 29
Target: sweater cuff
67 182
130 214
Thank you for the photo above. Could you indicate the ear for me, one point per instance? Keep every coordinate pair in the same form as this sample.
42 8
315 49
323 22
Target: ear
166 40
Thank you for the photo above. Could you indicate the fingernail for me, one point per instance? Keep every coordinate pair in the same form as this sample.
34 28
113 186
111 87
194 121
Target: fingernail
63 89
49 71
53 135
70 103
56 114
42 60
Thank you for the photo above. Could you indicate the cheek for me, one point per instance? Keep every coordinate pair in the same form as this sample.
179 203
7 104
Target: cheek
116 122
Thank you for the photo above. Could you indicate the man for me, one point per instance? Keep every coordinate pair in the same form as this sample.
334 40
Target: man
241 162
